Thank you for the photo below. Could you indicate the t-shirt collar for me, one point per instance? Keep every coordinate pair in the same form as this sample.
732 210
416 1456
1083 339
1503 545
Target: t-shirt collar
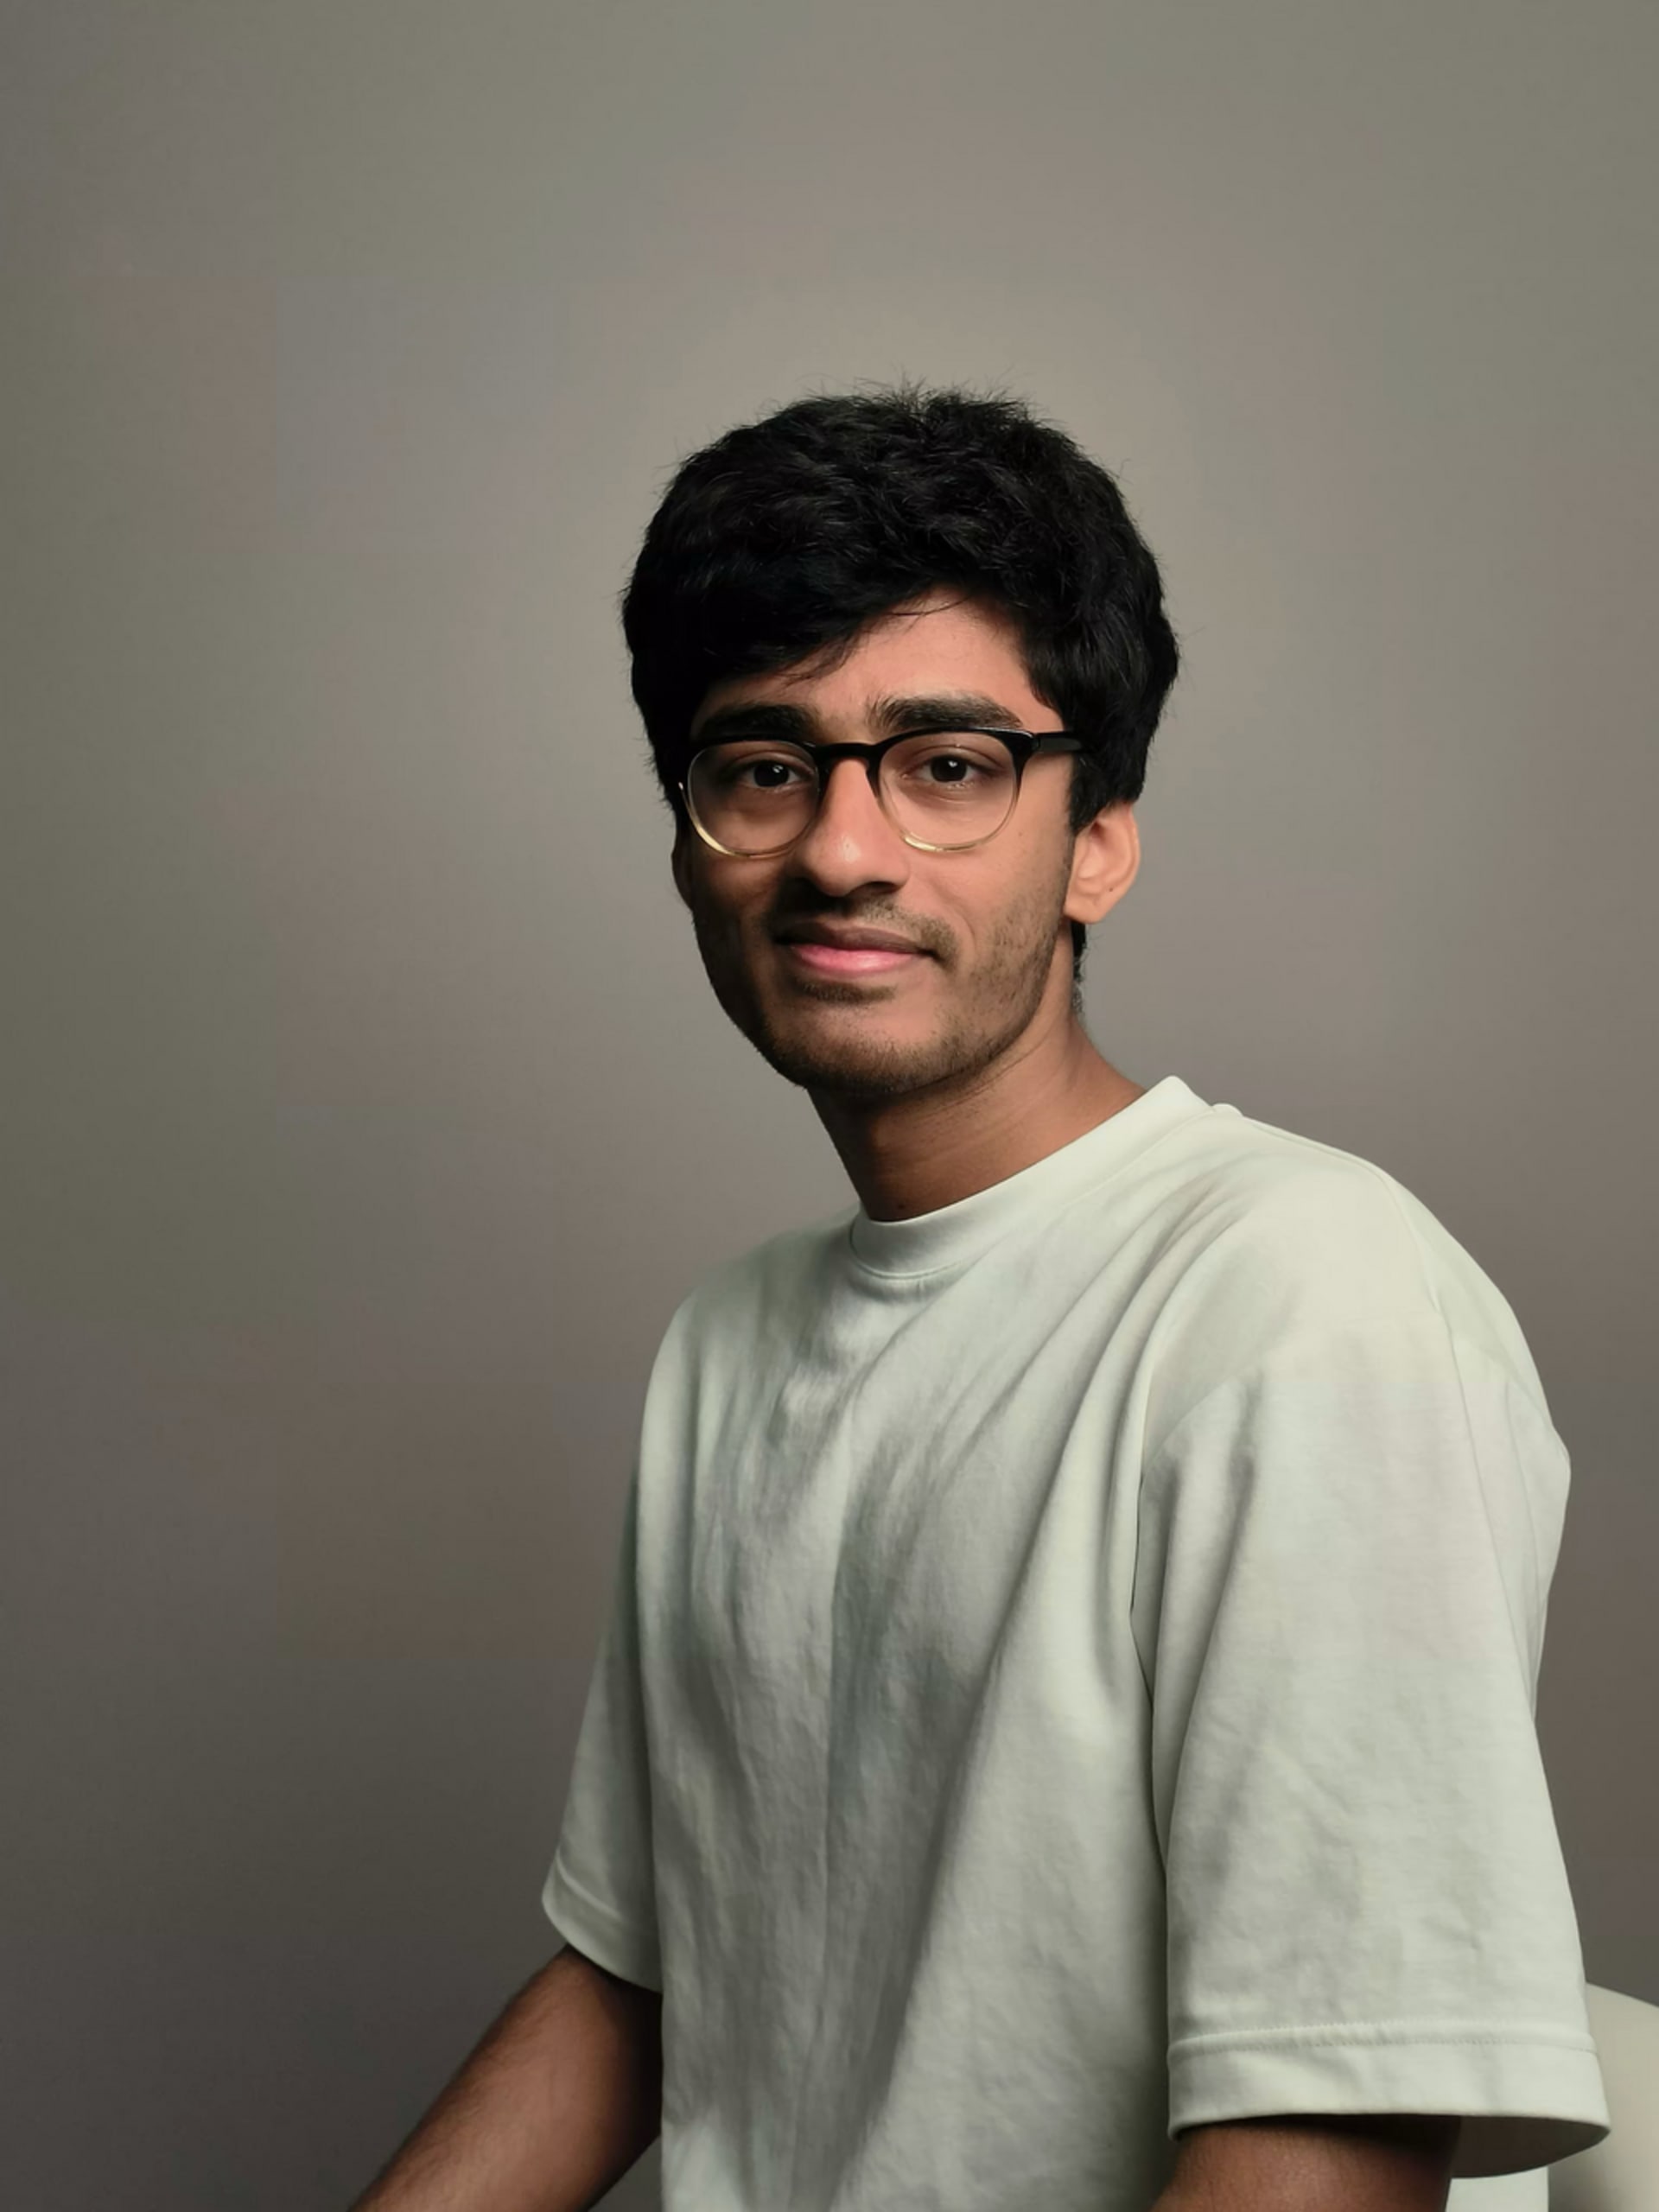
949 1236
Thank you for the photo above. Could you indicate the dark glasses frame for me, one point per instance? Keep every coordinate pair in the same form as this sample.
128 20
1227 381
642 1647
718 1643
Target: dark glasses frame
1021 743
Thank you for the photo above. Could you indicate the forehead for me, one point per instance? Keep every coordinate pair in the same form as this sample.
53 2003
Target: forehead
941 642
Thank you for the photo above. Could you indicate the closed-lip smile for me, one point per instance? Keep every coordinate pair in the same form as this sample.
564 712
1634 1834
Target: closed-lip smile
847 939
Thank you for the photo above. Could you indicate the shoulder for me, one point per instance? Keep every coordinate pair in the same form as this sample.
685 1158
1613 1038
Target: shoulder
757 1291
1277 1241
1281 1233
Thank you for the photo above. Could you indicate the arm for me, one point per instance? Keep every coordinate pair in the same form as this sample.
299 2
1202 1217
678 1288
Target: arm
1314 2163
1343 1560
559 2100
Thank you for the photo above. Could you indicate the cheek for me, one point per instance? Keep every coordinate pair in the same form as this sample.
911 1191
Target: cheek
726 913
1010 901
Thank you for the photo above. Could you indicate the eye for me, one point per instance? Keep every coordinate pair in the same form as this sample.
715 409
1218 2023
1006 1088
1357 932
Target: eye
951 767
951 761
759 772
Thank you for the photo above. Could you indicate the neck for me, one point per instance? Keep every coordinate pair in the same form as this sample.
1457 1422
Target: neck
910 1155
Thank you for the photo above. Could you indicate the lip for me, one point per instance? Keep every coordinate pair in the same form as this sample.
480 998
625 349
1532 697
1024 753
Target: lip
848 960
848 936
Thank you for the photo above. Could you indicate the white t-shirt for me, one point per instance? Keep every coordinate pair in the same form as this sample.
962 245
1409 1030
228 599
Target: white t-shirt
1070 1675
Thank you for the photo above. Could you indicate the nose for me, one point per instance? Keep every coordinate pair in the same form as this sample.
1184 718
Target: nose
851 840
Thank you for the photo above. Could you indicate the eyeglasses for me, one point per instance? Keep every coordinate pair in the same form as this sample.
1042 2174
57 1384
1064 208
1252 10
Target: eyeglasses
943 790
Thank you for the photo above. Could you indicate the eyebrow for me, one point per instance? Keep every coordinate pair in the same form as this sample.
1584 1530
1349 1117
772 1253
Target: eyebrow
942 710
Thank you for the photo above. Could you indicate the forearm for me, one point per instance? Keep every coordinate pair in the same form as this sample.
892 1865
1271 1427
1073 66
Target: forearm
1314 2163
559 2100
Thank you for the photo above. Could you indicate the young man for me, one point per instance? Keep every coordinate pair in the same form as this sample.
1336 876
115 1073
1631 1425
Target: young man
1062 1735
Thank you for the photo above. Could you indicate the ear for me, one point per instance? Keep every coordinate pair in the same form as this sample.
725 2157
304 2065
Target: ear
680 864
1105 861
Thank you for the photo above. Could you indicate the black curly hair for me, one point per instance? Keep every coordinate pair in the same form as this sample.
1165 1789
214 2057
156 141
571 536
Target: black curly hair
784 536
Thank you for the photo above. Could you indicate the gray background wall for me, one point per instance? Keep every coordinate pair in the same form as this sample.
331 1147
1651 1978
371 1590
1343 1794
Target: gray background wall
366 1111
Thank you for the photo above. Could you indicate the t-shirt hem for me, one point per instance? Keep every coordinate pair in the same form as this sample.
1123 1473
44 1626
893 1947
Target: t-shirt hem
598 1930
1526 2095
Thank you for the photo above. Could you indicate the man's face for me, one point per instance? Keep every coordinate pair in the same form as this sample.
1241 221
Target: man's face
988 923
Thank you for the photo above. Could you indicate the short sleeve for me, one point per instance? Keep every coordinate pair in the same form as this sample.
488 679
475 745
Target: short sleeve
1342 1562
601 1891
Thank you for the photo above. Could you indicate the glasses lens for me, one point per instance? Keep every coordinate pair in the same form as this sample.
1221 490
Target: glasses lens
950 787
752 798
947 787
